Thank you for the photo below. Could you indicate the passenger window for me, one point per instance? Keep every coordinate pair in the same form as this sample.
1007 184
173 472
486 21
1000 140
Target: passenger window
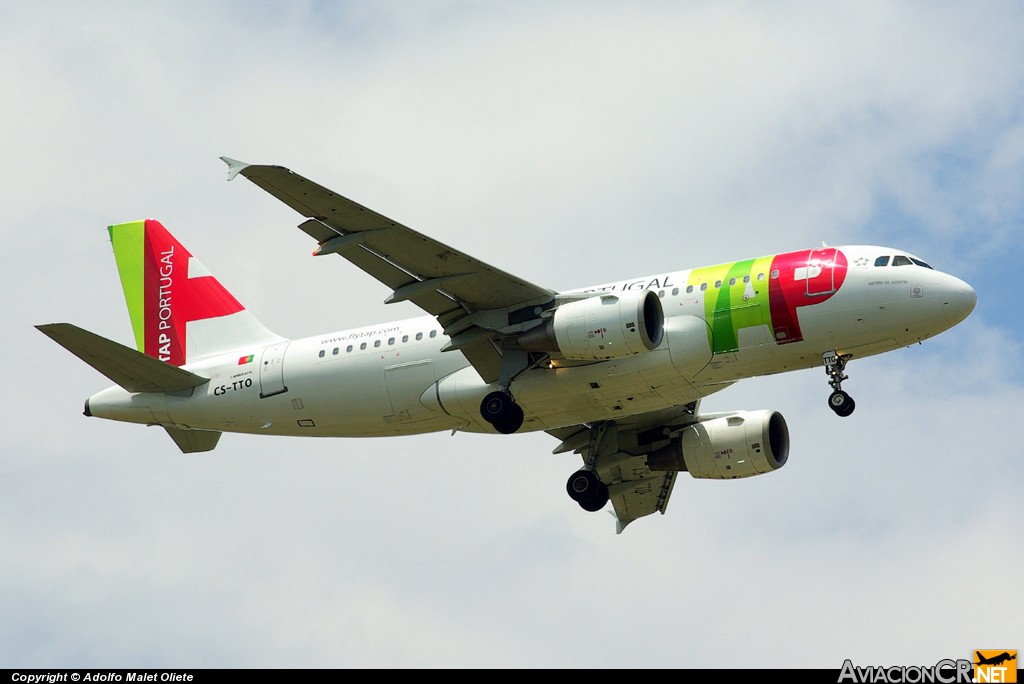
900 260
433 333
661 294
775 274
746 279
760 276
732 281
675 291
718 283
419 336
335 351
362 346
405 338
391 341
689 289
376 343
703 287
322 352
348 349
882 261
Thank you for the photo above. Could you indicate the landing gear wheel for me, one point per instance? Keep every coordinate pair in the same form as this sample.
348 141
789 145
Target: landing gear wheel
596 502
500 410
842 403
581 484
496 406
587 490
512 422
835 367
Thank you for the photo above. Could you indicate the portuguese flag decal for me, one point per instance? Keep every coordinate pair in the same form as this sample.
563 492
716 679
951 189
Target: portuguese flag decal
245 359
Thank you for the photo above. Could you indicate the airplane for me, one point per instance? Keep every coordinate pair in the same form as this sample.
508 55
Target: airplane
616 371
994 660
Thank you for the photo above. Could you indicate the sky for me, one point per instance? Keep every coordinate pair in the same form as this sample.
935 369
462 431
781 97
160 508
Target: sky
569 143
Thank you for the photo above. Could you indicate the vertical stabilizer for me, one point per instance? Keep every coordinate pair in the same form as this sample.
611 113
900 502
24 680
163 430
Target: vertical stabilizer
179 311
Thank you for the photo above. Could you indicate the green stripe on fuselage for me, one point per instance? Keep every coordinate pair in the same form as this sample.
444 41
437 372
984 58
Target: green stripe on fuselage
129 241
730 308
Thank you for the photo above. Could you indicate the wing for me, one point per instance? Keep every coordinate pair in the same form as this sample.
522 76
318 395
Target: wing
472 301
634 489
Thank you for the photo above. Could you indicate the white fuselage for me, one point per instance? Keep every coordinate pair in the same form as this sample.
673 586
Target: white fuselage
393 379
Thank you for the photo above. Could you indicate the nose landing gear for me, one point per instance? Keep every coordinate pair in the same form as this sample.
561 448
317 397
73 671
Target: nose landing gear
835 365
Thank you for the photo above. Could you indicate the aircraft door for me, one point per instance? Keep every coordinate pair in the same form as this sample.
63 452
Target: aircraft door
820 272
272 370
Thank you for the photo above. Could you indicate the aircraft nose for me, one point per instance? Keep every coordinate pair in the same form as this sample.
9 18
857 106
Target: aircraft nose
959 300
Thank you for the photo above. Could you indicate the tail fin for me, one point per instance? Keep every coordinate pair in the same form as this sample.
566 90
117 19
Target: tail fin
179 311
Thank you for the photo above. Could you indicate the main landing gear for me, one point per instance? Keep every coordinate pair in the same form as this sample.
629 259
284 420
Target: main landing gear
839 401
587 490
501 410
584 486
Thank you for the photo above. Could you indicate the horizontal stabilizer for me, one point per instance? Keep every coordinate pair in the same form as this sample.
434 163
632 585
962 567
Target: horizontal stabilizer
131 369
192 441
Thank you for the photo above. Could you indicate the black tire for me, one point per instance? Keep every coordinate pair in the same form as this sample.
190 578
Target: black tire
512 422
582 484
840 402
847 408
587 490
597 500
497 407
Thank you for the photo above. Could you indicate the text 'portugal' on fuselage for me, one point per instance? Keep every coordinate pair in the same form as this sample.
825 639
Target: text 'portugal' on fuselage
615 372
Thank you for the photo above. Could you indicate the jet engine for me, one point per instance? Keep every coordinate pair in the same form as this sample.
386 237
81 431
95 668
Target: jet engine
605 326
740 444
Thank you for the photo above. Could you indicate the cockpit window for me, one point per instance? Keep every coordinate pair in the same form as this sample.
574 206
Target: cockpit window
900 260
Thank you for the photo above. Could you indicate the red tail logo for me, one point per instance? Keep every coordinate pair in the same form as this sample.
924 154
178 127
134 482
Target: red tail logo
174 298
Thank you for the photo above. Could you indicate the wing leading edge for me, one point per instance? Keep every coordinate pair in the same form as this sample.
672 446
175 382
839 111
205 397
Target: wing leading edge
473 301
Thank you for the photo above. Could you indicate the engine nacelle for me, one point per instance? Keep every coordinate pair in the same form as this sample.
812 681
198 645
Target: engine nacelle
741 444
605 326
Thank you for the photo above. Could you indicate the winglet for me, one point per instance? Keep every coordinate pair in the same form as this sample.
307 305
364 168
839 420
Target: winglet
235 167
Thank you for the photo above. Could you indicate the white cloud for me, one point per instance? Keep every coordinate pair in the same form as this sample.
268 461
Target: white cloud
568 143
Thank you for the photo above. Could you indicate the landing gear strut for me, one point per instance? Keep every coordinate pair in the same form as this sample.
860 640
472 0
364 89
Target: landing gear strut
835 365
501 410
585 486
